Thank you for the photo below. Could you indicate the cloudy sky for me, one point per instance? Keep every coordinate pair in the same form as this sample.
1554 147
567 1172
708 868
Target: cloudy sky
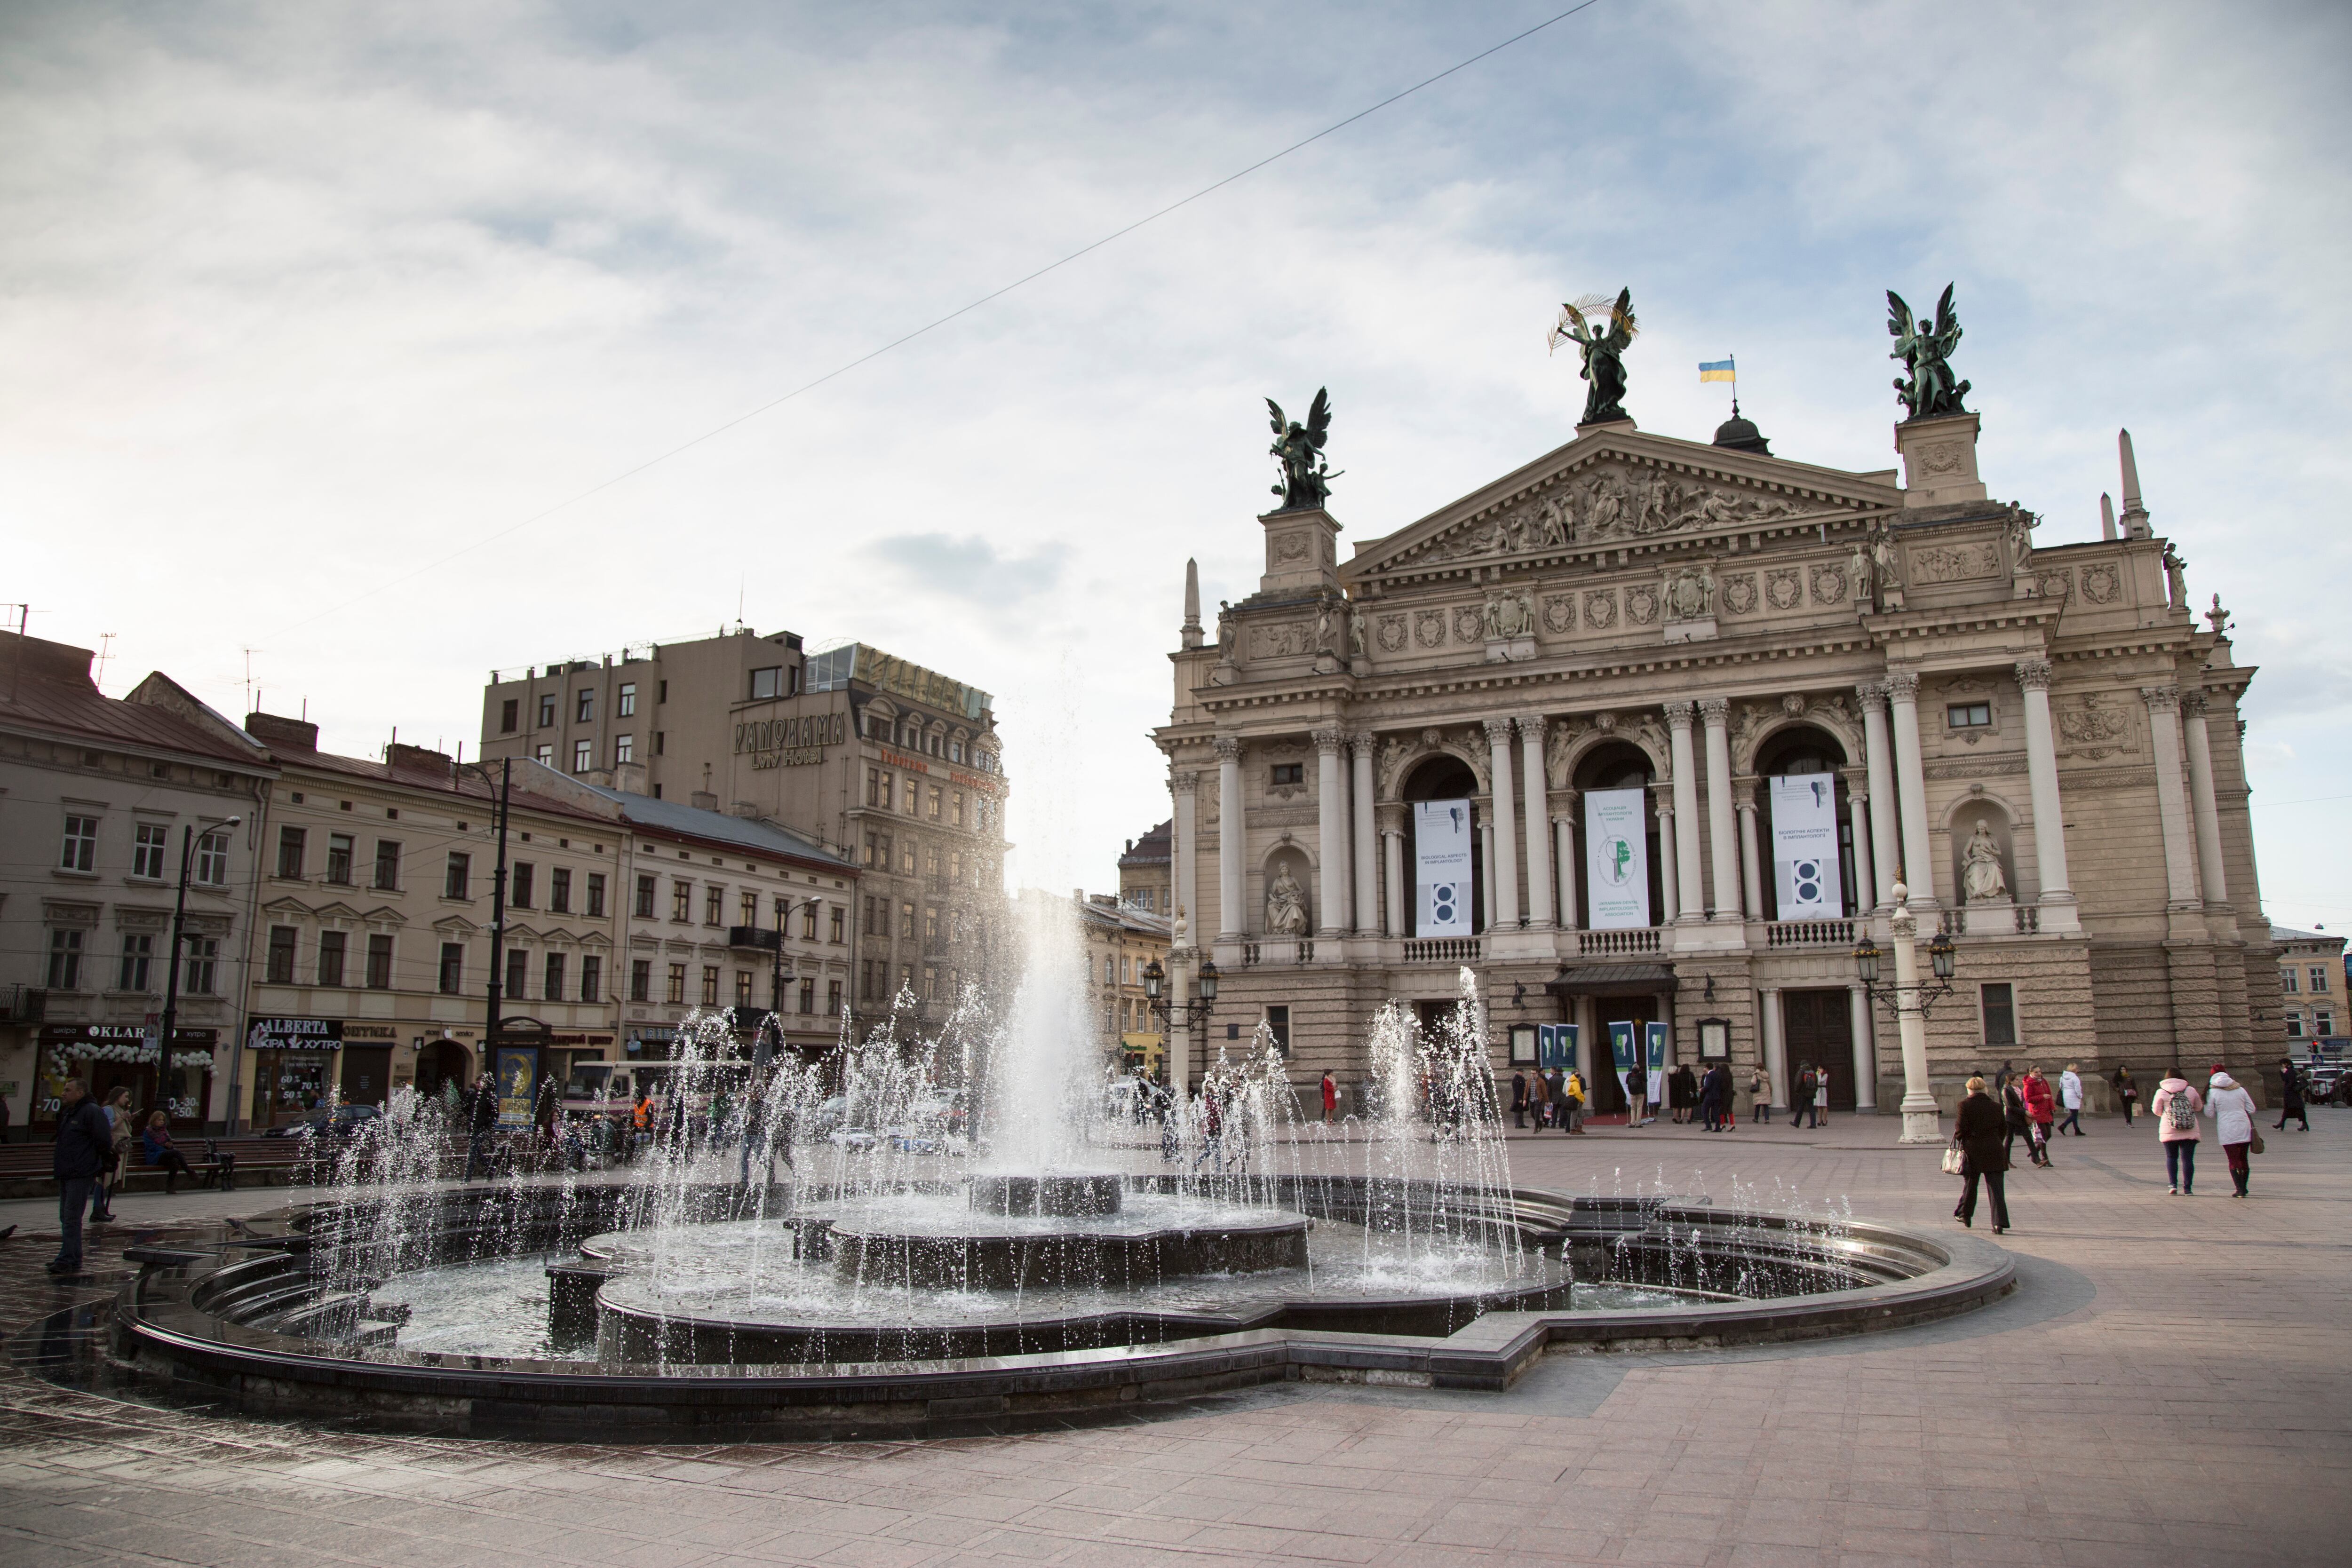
310 314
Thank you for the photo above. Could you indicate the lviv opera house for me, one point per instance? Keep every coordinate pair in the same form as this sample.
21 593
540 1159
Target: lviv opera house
1649 730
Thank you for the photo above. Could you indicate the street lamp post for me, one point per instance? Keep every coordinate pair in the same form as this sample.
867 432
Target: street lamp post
496 1007
172 972
1155 987
1911 1002
762 1051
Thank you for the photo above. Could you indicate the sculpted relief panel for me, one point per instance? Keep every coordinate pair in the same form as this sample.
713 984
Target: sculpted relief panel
2092 727
1281 640
1953 563
1617 501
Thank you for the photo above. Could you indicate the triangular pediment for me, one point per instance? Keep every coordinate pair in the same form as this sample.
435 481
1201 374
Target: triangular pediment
455 925
1615 487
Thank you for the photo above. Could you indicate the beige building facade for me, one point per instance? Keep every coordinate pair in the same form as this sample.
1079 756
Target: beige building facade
2311 987
1146 880
1705 707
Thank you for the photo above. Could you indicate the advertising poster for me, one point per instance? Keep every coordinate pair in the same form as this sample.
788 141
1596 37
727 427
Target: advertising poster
516 1067
1617 858
1805 846
1556 1046
1624 1053
1655 1055
1441 834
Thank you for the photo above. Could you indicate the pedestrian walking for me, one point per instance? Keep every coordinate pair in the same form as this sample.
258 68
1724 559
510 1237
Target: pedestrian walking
1800 1094
1330 1098
2233 1110
1519 1100
2126 1092
119 1133
2070 1095
156 1142
1979 1132
1682 1092
2291 1094
1760 1095
1714 1097
2041 1109
481 1116
1572 1102
2175 1108
2015 1120
85 1143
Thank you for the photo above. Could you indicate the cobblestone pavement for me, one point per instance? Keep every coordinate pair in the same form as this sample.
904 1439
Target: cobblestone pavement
2169 1385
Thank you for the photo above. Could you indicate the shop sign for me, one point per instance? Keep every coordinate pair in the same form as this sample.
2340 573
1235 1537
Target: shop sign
790 742
295 1034
126 1042
383 1032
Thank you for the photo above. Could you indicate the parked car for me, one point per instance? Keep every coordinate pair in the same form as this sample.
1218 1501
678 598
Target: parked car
340 1122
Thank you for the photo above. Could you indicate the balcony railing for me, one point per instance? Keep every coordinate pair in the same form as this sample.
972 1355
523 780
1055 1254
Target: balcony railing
23 1004
1809 933
2024 919
1441 950
1277 950
762 938
1619 943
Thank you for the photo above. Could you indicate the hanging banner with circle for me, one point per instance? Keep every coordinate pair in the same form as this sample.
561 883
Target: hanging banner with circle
1617 858
1440 836
1805 846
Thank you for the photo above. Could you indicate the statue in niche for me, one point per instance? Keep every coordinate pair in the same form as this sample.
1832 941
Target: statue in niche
1884 568
1327 627
1857 569
1285 904
1306 476
1358 633
1601 343
1225 631
1930 391
1981 880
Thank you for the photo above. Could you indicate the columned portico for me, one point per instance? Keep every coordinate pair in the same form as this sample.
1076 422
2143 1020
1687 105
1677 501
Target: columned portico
1541 904
1669 881
1502 859
2041 779
2171 795
1722 849
1689 897
1367 884
1331 831
1911 779
2213 880
1865 869
1233 836
1878 762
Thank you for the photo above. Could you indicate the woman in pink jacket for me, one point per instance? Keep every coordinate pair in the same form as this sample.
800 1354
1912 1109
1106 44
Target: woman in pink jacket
2175 1108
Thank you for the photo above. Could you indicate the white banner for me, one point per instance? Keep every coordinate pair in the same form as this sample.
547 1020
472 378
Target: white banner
1440 836
1805 846
1617 858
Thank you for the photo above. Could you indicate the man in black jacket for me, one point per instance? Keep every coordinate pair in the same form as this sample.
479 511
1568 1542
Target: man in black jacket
481 1118
85 1148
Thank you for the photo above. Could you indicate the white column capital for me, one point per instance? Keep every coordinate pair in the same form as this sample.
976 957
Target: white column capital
2163 697
1229 748
2193 702
1184 781
1365 742
1715 711
2033 674
1902 687
1532 727
1498 731
1679 714
1872 694
1330 739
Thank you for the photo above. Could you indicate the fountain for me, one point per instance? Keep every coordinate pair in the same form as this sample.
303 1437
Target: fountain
965 1231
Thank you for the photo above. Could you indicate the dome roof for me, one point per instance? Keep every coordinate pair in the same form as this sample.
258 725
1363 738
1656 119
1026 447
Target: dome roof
1740 436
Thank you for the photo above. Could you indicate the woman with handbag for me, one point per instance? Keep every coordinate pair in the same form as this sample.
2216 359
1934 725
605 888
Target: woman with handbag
1980 1138
2233 1110
2126 1092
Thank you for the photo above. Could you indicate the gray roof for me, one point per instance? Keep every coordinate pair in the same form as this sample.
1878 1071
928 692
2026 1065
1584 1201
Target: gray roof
756 835
2285 934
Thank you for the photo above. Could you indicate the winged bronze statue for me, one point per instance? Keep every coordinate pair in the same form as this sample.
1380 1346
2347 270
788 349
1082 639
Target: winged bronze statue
1602 340
1930 390
1306 475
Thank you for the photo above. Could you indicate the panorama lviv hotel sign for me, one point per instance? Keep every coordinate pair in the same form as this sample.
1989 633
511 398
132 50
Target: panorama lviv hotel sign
790 742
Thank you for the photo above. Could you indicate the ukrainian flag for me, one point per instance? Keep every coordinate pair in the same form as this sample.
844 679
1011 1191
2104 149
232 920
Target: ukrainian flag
1717 370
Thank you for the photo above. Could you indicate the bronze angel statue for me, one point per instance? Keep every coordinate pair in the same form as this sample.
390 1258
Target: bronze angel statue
1603 339
1930 390
1306 476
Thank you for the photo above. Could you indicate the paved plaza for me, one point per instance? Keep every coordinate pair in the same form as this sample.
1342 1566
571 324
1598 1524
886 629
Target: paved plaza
2168 1385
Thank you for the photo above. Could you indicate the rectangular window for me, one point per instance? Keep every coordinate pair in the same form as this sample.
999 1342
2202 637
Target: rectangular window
931 983
681 901
625 750
641 979
453 968
457 880
519 884
147 850
330 958
1277 1025
138 957
583 756
65 960
661 692
768 683
200 977
660 738
2000 1014
212 859
808 922
833 999
906 859
934 803
955 812
644 905
2293 1024
710 985
547 711
81 852
676 995
907 922
838 922
808 996
592 977
1283 773
339 859
2319 980
714 904
907 978
559 890
1969 715
584 706
628 709
930 924
751 909
544 756
2290 979
595 909
866 980
289 853
379 962
2323 1023
931 860
280 970
742 988
518 973
510 715
553 988
387 865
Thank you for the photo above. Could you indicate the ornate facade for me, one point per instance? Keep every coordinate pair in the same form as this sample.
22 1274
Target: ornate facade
2043 743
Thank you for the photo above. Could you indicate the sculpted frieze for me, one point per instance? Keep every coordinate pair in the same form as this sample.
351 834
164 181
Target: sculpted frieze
1469 623
1952 563
1510 616
1429 628
1690 593
1641 605
1783 589
2093 727
2100 583
1281 640
1614 501
1829 585
1560 613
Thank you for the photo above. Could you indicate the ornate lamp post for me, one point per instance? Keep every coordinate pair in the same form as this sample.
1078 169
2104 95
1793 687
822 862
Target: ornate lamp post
1911 1002
1155 986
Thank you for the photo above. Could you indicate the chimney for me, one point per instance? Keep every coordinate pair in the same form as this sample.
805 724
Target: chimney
704 800
421 759
284 734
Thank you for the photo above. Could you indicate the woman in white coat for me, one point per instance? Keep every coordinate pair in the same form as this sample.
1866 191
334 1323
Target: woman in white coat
2233 1110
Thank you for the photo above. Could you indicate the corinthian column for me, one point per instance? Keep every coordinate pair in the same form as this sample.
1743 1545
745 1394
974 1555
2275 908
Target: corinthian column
2215 884
1878 760
1751 883
2171 798
1690 899
1503 866
1669 908
1368 872
1397 906
1723 845
2042 781
1331 830
1231 840
1911 778
1563 830
1541 904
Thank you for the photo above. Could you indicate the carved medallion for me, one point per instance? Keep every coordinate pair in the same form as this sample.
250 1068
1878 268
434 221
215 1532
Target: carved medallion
2092 728
2056 585
1288 547
1782 588
2100 583
1739 593
1950 563
1560 613
1600 608
1469 623
1944 457
1641 605
1391 633
1829 584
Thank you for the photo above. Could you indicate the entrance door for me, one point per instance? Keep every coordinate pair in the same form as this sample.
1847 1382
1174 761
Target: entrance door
1601 1067
1818 1028
367 1074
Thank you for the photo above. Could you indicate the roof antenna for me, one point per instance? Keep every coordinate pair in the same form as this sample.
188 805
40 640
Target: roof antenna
105 647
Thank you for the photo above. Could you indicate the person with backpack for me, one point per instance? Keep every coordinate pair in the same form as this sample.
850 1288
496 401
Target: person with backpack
2233 1110
2175 1108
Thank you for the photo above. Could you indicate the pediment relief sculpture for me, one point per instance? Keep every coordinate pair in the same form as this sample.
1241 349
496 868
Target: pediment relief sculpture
1281 640
1616 501
1952 563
